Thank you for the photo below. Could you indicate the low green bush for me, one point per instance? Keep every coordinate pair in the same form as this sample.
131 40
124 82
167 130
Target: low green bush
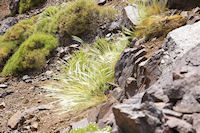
93 128
25 5
81 16
12 39
47 22
31 54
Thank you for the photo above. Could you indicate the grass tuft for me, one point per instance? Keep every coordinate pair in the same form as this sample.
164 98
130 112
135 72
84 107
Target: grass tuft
86 74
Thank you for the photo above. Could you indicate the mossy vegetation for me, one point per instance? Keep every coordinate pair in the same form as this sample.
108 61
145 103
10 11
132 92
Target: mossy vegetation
25 5
31 54
93 128
86 74
12 39
83 16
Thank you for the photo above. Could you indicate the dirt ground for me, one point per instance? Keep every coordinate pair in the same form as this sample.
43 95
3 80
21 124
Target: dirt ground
4 8
26 96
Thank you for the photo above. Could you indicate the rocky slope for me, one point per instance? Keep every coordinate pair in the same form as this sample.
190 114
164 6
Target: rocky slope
156 87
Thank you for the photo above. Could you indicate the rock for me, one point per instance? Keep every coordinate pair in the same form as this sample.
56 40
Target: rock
80 124
16 120
138 118
20 117
14 6
169 112
34 126
196 122
137 99
101 2
187 105
6 93
188 118
3 86
131 87
133 13
179 125
25 77
119 94
183 4
126 66
193 20
2 105
7 24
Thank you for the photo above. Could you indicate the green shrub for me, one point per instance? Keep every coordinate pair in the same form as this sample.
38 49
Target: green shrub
25 5
83 16
47 21
86 74
12 39
31 54
93 128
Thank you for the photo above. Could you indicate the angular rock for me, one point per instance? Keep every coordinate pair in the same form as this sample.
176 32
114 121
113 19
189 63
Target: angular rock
119 94
3 86
7 24
196 122
133 13
15 120
187 105
138 118
171 113
179 125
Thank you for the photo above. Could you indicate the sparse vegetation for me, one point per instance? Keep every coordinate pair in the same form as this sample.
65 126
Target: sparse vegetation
93 128
25 5
31 54
86 74
83 16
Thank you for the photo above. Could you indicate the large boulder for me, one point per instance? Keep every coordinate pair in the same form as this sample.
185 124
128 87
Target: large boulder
138 118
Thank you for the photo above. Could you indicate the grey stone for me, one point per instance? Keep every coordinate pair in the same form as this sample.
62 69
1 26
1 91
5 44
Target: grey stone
3 86
179 125
171 113
187 105
138 118
7 24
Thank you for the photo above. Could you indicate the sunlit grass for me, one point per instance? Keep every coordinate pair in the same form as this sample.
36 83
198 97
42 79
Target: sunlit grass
83 82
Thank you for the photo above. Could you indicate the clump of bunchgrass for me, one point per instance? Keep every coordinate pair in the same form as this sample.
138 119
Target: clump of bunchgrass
86 74
157 26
